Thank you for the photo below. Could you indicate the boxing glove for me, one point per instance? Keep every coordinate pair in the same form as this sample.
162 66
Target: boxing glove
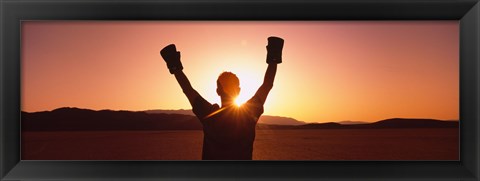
274 50
172 58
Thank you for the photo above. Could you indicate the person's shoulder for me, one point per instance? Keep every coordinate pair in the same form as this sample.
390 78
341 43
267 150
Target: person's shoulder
202 107
255 100
215 107
253 103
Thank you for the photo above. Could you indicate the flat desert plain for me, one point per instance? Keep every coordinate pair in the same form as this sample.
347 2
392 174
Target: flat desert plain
290 144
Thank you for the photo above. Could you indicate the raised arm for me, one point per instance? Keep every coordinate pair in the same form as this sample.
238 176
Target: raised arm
267 85
274 57
172 58
187 88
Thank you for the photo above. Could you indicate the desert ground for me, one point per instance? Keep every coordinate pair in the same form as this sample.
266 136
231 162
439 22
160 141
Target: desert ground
305 144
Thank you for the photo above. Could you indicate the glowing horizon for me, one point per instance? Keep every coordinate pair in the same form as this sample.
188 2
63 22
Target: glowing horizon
331 70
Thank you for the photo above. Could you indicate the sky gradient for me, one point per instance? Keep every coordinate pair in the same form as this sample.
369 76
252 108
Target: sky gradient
331 70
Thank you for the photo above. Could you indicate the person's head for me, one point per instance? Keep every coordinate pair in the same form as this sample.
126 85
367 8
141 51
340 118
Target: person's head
228 85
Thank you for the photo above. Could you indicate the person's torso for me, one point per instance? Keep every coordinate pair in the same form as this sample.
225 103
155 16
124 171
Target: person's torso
229 134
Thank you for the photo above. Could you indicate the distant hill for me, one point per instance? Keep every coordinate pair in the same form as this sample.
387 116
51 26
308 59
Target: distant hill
352 122
75 119
264 119
178 111
388 123
414 123
278 120
71 119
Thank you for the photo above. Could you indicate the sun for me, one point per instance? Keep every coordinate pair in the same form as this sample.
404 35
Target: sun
250 78
249 83
239 102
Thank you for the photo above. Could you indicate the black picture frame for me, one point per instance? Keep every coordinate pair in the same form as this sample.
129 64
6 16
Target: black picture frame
12 12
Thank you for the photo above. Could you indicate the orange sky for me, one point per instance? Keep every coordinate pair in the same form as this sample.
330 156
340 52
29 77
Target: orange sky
332 70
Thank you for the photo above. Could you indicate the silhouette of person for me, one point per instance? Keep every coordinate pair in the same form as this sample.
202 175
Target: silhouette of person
229 130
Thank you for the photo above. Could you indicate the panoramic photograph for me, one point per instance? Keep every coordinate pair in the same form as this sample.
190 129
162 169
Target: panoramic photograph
240 90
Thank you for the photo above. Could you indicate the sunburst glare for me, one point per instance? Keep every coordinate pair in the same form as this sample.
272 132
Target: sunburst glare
239 102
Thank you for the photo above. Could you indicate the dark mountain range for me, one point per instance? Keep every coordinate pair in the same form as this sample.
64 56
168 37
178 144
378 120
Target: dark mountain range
75 119
278 120
171 111
70 119
352 122
264 119
388 123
